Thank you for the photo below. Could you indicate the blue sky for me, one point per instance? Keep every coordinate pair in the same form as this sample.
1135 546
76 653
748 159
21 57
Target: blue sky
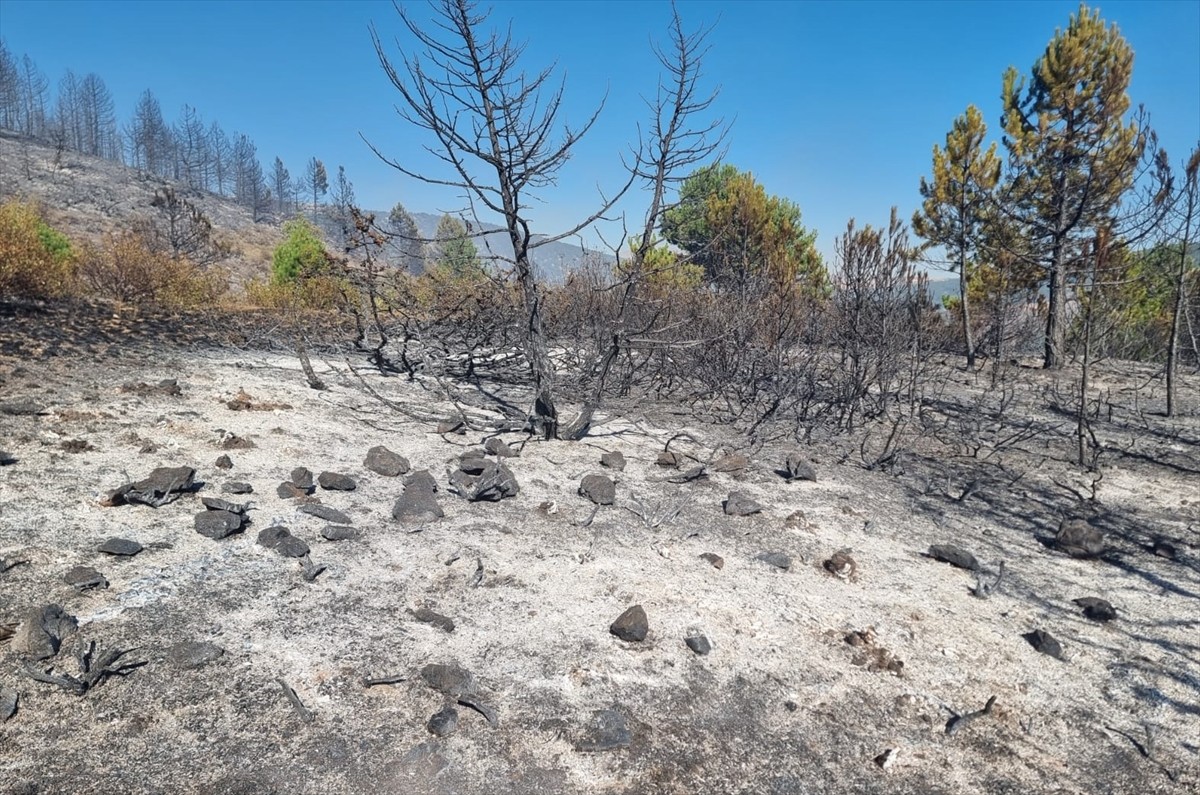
834 105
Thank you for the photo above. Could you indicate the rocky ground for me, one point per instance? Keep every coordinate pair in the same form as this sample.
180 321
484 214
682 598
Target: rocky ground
710 620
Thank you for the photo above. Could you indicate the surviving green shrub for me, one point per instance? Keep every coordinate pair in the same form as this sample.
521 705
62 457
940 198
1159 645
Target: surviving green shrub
301 255
36 261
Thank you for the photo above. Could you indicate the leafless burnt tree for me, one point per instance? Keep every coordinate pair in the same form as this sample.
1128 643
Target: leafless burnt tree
488 116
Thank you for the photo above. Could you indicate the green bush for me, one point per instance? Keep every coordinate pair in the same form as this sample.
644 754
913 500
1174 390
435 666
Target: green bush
36 261
301 255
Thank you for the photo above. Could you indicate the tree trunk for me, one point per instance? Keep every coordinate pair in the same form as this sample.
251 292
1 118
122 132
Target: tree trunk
968 335
1056 332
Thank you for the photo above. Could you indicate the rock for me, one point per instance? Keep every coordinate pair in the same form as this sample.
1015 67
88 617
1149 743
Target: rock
224 462
716 560
738 504
288 491
383 461
450 679
41 632
796 520
451 426
121 547
776 559
190 655
168 387
417 502
1160 548
1044 642
698 643
422 479
668 459
163 485
218 524
325 512
1079 539
443 722
21 408
427 616
84 577
235 442
796 467
336 481
8 705
478 480
733 462
499 448
840 564
607 730
1096 609
335 532
280 539
237 487
614 460
887 759
6 458
600 489
302 479
955 556
632 625
217 504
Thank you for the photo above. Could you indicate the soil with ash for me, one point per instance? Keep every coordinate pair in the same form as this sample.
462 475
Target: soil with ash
473 652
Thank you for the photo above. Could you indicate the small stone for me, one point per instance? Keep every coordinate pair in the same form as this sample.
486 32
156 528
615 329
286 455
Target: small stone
614 460
499 448
632 625
887 759
235 442
451 426
796 467
288 491
84 577
776 559
302 478
217 504
194 654
41 632
738 504
473 462
8 705
335 532
162 486
1079 539
280 539
1164 549
6 458
224 462
600 489
218 524
121 547
607 730
1044 642
443 722
1096 609
840 564
237 487
791 706
733 463
336 481
427 616
325 512
451 679
668 459
383 461
797 520
698 643
716 560
479 480
416 503
955 556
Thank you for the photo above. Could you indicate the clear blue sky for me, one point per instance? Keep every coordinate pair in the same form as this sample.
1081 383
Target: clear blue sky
834 105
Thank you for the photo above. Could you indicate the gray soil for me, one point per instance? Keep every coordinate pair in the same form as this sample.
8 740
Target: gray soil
816 682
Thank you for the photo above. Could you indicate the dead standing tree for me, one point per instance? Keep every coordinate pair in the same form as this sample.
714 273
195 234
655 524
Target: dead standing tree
489 117
671 147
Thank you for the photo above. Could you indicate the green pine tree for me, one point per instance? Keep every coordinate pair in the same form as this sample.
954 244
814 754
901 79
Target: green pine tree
957 200
1071 153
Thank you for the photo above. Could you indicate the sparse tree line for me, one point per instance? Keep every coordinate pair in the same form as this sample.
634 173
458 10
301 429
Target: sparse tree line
81 117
